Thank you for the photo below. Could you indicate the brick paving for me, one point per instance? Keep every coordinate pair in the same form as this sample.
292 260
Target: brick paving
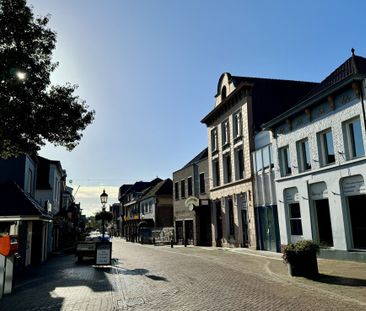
145 277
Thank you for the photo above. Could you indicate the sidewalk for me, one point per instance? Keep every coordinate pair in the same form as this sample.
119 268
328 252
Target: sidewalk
344 279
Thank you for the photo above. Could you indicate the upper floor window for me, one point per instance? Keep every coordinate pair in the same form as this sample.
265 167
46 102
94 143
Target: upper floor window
303 154
225 132
223 93
214 139
326 148
239 164
183 188
176 190
353 138
237 127
190 186
285 161
227 168
202 183
216 173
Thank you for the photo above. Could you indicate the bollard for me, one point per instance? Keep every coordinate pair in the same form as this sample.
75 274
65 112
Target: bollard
154 241
185 242
171 243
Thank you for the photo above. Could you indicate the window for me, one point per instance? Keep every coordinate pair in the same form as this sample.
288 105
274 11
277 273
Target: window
225 132
258 160
295 219
190 188
227 168
239 164
231 217
214 140
326 149
285 162
176 189
303 154
182 189
29 187
216 173
202 183
237 129
267 158
353 139
223 93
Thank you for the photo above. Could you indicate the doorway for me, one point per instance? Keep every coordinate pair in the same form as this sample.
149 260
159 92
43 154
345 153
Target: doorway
269 229
188 226
325 234
218 223
244 221
357 210
179 231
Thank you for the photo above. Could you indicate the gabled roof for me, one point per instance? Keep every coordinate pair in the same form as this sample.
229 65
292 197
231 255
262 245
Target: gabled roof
16 202
140 186
353 68
123 190
270 97
199 157
164 187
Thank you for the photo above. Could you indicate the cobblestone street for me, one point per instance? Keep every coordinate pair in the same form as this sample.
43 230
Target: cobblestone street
144 277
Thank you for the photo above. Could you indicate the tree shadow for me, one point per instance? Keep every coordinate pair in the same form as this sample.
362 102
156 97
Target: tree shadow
144 272
340 280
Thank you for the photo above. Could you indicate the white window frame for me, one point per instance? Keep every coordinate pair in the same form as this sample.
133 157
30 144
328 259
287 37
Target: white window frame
323 147
225 132
303 151
349 140
237 125
285 166
214 140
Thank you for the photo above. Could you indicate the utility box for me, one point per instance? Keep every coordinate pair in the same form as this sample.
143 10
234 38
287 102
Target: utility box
8 245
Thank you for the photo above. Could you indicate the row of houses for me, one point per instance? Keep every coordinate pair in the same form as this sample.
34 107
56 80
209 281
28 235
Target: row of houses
37 207
285 161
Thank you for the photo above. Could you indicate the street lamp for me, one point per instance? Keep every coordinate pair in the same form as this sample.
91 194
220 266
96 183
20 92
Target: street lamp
103 200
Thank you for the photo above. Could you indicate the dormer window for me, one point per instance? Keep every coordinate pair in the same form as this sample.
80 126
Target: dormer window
223 93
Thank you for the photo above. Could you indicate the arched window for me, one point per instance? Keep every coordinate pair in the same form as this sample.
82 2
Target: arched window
223 93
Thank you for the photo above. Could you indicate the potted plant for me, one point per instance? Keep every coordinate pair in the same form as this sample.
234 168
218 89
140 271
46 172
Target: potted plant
300 258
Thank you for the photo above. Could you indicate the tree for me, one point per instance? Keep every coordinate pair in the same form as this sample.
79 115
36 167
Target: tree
32 111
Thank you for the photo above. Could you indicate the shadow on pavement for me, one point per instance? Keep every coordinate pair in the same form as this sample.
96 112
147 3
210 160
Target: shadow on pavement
340 280
48 285
144 272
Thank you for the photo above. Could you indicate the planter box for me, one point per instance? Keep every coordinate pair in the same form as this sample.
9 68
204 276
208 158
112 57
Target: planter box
304 264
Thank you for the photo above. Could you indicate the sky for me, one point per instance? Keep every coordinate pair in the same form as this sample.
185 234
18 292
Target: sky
150 68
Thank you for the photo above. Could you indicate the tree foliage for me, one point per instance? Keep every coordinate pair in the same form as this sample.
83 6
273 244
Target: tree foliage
107 216
32 110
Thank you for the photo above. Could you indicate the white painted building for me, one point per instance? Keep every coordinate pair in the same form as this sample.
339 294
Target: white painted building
320 164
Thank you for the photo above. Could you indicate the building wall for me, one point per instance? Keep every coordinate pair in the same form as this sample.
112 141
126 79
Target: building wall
236 187
299 186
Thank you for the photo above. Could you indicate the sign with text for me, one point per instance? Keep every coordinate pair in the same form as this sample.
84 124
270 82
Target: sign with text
104 252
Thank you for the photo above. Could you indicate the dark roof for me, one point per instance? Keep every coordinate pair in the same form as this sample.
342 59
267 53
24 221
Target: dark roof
354 67
43 172
270 97
123 190
199 157
16 202
140 186
164 187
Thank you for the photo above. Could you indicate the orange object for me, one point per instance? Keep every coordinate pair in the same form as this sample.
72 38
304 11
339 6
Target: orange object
8 245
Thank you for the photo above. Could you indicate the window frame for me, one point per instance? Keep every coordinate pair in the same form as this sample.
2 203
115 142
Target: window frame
350 143
303 155
225 132
202 183
176 190
183 189
324 147
285 161
237 125
189 186
214 140
295 219
228 176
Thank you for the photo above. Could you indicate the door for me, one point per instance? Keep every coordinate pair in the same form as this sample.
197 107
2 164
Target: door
218 224
179 231
324 223
188 226
357 210
244 221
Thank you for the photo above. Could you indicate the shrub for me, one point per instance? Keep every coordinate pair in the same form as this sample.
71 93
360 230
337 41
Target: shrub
302 248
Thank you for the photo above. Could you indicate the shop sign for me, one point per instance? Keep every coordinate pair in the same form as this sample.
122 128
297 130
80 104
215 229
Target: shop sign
191 202
353 186
103 254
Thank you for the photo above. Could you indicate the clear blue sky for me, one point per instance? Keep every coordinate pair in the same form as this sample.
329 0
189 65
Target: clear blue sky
150 69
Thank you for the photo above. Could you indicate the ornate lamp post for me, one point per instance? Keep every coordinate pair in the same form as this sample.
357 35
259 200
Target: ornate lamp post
103 200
